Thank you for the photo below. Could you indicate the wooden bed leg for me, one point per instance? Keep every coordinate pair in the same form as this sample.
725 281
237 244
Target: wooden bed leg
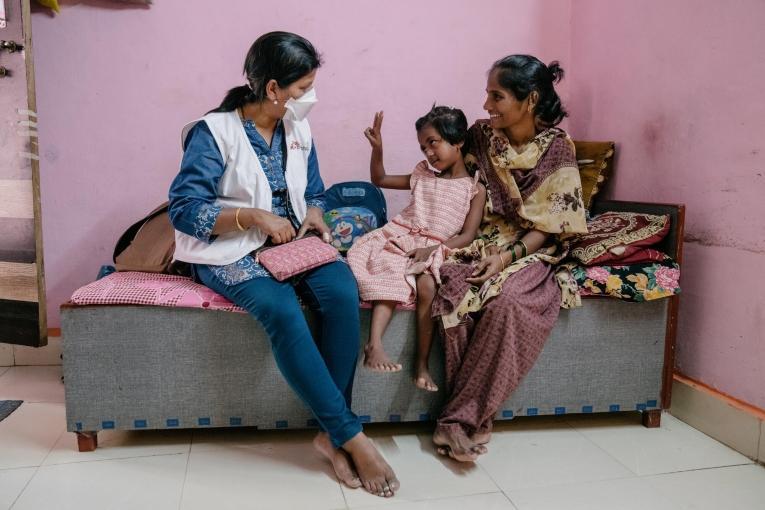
87 441
652 418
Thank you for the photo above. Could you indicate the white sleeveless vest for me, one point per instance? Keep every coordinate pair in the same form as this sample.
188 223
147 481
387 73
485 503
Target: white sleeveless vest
244 184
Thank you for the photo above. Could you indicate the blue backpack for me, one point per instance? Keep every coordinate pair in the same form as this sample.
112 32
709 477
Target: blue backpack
353 209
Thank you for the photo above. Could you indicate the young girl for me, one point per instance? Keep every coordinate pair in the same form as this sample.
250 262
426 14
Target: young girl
400 261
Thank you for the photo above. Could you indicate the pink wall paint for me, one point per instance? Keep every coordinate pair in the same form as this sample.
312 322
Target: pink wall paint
116 84
679 85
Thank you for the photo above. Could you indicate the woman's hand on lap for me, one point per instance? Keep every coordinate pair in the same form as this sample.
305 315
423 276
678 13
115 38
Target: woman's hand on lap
485 269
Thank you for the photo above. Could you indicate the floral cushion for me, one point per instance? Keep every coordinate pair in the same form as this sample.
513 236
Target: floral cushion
635 282
620 238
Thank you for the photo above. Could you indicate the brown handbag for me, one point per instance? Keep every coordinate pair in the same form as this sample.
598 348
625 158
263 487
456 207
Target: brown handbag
148 246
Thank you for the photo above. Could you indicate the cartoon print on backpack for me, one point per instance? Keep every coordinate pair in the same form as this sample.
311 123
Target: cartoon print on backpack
342 234
347 224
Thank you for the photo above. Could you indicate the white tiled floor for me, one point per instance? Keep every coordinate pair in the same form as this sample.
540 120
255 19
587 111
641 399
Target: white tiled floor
561 463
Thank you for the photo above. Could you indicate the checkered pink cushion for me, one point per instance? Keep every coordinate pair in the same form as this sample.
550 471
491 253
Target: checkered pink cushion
134 288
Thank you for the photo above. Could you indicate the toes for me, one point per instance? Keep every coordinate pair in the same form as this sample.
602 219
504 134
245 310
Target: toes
351 480
377 489
480 449
393 482
468 456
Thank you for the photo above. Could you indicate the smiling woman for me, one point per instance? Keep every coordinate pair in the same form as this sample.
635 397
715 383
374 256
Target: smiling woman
500 297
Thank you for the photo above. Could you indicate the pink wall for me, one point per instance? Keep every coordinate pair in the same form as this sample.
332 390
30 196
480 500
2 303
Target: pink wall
115 85
679 85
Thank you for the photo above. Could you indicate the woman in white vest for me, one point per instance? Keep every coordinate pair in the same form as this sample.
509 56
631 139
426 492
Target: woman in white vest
250 176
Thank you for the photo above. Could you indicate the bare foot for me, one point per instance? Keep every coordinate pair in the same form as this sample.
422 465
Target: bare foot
341 462
377 360
456 445
376 475
423 380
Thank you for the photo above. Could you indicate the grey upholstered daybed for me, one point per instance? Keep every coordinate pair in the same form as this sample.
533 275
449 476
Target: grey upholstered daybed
151 367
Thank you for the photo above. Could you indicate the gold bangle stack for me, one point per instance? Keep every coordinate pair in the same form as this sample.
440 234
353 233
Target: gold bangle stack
236 218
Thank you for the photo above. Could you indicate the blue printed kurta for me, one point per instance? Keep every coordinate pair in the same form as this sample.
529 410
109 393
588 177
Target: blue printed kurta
194 192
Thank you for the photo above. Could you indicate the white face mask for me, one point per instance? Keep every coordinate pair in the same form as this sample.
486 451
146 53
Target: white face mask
297 109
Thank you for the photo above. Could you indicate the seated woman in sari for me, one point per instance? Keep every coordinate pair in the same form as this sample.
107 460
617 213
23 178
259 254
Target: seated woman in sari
500 297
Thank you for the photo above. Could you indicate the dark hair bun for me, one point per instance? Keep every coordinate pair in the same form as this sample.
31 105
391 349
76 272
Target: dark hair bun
556 71
523 74
281 56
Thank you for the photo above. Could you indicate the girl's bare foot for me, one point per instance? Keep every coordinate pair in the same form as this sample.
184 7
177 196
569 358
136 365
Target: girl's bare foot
376 359
341 462
423 380
456 445
376 475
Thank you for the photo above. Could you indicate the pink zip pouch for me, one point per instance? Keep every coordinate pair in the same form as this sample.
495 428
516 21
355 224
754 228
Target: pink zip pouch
295 257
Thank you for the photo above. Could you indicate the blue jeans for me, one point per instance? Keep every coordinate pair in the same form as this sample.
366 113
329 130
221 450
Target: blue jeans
319 370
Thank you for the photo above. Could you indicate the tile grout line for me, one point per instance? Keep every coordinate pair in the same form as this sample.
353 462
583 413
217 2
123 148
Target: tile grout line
669 472
426 499
604 451
148 456
507 497
186 471
37 469
345 500
697 469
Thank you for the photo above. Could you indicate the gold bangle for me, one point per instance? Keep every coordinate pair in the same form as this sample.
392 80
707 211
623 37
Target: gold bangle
236 218
503 262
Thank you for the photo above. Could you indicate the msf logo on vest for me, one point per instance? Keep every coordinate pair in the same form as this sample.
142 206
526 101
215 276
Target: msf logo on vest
295 145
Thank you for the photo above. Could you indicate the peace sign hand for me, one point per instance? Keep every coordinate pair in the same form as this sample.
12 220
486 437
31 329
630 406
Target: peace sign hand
374 133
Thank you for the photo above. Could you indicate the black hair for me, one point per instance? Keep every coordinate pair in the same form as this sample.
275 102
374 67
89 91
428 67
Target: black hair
281 56
450 123
522 74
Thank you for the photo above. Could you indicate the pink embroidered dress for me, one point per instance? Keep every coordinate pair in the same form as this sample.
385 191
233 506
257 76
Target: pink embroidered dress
436 213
